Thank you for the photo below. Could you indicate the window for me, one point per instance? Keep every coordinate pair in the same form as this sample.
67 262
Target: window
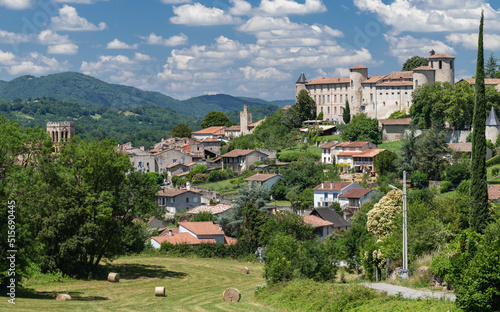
352 84
174 161
416 82
328 110
440 64
451 64
161 161
373 106
315 98
328 99
335 110
172 200
195 200
341 98
187 199
323 99
371 97
147 164
335 98
182 160
326 195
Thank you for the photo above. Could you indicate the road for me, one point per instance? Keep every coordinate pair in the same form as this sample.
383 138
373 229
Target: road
408 293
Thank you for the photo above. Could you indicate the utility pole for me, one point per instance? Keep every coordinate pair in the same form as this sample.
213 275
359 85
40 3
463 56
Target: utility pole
403 273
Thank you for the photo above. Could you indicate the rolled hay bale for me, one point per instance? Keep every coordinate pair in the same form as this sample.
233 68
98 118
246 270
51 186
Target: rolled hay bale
231 295
63 297
160 291
244 270
113 277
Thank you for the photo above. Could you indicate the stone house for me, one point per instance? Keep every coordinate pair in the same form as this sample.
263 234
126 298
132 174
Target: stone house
394 129
263 180
328 192
169 157
142 160
209 133
174 200
326 152
240 160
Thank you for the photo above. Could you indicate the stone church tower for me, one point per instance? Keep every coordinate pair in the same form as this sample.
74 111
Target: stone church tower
444 66
61 131
245 120
492 126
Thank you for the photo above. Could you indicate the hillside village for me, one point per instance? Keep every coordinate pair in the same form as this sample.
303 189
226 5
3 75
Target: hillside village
322 179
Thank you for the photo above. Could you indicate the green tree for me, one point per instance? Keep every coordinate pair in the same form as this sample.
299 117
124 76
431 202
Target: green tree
429 102
320 116
407 159
305 106
490 67
384 162
362 128
216 118
181 131
414 62
479 214
430 149
346 114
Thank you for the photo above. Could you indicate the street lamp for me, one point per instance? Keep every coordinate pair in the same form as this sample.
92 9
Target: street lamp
403 273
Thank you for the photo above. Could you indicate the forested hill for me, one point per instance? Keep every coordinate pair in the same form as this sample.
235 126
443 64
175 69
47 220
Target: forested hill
86 91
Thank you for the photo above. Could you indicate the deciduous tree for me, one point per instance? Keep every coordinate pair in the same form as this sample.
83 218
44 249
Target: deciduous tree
362 128
414 62
181 131
216 118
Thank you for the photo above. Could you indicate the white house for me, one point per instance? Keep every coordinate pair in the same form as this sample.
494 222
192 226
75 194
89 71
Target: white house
328 192
192 233
351 201
263 180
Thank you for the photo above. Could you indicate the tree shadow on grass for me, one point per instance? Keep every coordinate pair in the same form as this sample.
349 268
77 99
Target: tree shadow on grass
135 271
29 293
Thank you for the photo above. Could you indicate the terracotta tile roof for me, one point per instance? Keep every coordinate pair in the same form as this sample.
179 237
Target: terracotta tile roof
424 68
182 174
202 228
261 177
213 209
329 145
328 214
349 153
230 241
371 152
487 81
358 67
394 83
390 122
234 128
173 192
461 147
286 107
398 75
316 221
209 140
211 130
328 81
373 79
191 164
237 153
352 144
167 230
174 165
332 186
355 193
493 192
179 238
440 55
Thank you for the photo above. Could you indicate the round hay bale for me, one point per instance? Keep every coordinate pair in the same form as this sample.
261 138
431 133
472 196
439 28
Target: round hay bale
244 270
113 277
63 297
160 291
231 295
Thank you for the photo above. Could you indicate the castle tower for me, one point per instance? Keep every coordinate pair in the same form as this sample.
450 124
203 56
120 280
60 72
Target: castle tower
492 126
423 75
358 74
444 66
300 85
61 131
245 120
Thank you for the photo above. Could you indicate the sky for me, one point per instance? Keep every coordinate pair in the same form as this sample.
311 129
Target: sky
252 48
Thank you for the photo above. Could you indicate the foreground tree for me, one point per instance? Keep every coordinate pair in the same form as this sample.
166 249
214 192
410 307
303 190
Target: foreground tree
181 131
305 106
346 114
479 214
362 128
414 62
216 118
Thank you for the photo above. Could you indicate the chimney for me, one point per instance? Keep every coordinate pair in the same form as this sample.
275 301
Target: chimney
170 233
322 185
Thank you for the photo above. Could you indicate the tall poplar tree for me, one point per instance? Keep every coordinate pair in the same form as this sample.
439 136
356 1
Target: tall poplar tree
346 115
478 217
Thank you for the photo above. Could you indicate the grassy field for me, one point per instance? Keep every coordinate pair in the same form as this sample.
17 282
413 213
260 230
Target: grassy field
192 284
391 146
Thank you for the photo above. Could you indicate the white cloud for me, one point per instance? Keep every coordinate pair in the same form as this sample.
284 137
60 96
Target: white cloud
288 7
117 44
49 37
407 46
12 38
469 41
199 15
173 41
265 74
16 4
33 64
431 15
142 57
240 7
69 20
67 48
175 1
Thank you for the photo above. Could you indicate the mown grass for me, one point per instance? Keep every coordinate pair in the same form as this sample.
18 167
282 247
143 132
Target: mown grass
394 146
192 284
307 295
224 187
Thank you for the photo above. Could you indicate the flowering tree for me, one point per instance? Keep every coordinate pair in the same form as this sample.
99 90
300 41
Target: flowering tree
381 217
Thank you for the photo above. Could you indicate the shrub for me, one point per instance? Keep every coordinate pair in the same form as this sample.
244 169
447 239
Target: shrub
464 187
493 161
419 178
495 171
445 186
457 172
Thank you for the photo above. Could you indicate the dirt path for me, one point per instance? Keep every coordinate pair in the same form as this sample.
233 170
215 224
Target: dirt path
408 293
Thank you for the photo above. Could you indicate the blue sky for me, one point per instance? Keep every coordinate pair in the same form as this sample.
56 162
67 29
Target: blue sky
258 48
